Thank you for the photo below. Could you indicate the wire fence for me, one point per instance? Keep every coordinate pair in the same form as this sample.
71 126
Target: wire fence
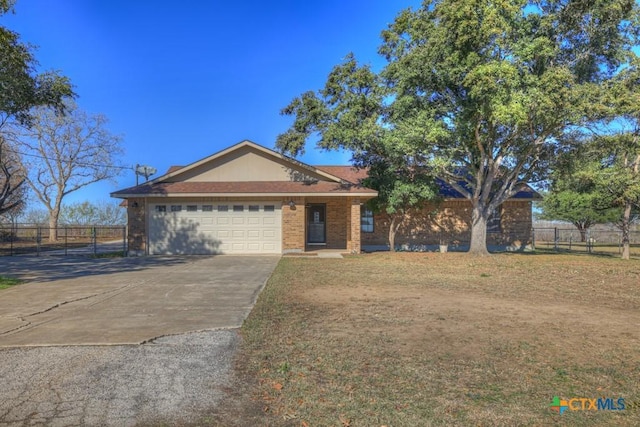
62 241
594 240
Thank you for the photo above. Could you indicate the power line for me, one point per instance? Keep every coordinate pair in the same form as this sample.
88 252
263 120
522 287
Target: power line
95 165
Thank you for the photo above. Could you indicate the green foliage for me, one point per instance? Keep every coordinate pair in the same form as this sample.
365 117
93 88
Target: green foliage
576 196
22 87
479 93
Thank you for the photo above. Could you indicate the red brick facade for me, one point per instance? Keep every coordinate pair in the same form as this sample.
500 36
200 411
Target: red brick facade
450 223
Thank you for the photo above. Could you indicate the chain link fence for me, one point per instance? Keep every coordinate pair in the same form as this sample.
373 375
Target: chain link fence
18 239
594 240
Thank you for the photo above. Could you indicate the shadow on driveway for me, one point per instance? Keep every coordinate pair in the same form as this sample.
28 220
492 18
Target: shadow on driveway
51 268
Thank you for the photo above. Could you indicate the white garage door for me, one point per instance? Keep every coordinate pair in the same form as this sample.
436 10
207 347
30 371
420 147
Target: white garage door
216 227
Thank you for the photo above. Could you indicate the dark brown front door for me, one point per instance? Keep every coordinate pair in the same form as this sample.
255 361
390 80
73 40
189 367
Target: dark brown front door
316 225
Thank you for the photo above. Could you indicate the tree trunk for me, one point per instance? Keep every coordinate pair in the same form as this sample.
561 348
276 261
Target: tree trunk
479 231
393 228
626 220
53 225
583 234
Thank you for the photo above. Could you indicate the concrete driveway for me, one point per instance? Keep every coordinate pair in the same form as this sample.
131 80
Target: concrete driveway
127 300
183 310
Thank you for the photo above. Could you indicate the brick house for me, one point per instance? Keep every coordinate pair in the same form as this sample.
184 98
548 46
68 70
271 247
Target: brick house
249 199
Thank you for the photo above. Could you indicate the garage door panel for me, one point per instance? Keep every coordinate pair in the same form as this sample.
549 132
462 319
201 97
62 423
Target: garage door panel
268 234
246 228
268 247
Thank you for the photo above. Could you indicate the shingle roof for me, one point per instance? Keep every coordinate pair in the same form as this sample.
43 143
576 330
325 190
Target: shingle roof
174 168
245 187
448 192
350 176
347 173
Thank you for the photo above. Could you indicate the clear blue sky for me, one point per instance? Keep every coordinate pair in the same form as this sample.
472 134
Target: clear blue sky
182 80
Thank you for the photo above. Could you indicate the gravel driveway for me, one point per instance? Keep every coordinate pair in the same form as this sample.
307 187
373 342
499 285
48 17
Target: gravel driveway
167 381
167 331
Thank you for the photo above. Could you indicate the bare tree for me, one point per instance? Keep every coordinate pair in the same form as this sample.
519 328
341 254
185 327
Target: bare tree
12 179
66 153
105 212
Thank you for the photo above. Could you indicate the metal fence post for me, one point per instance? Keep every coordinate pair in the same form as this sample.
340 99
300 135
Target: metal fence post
38 238
589 242
124 241
533 239
556 237
95 240
570 240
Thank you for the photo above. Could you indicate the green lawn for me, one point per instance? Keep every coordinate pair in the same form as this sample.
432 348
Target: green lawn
6 282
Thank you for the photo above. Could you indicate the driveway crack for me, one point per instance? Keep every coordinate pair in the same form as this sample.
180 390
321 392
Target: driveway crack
60 304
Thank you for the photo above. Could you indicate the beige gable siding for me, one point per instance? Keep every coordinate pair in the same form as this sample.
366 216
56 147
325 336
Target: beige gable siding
246 164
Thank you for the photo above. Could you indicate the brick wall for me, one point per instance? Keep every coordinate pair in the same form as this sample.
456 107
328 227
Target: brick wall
342 223
450 222
516 223
137 227
353 227
336 222
293 225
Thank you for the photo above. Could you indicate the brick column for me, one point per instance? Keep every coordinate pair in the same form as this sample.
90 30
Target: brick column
353 225
293 227
136 227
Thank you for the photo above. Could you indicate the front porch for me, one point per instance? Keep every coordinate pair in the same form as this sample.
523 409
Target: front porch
311 224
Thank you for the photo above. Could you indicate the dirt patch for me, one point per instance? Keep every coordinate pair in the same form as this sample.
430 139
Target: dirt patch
445 339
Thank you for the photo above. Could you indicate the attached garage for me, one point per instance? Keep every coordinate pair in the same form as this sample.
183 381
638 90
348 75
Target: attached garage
236 227
245 199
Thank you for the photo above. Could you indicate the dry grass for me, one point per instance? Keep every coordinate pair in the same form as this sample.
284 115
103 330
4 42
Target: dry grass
442 339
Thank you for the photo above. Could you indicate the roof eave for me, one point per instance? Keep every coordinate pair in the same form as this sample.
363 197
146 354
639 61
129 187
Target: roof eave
228 194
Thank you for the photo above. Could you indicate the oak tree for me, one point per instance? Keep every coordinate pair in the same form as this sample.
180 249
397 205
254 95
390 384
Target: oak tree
481 93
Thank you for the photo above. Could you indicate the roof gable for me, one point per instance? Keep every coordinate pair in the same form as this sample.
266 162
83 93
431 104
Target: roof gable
246 162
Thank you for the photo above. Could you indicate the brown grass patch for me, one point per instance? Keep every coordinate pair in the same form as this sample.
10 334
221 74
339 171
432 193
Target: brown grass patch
443 339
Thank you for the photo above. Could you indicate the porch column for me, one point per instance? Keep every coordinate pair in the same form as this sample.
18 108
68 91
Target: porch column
293 226
353 225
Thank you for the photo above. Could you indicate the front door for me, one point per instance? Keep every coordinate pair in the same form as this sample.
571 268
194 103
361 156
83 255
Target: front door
316 230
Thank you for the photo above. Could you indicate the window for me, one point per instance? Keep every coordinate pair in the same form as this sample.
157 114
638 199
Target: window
176 208
223 208
192 208
254 208
269 208
494 221
366 220
161 208
207 208
238 208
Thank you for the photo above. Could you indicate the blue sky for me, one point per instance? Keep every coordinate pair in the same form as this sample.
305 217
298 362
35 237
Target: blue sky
181 81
